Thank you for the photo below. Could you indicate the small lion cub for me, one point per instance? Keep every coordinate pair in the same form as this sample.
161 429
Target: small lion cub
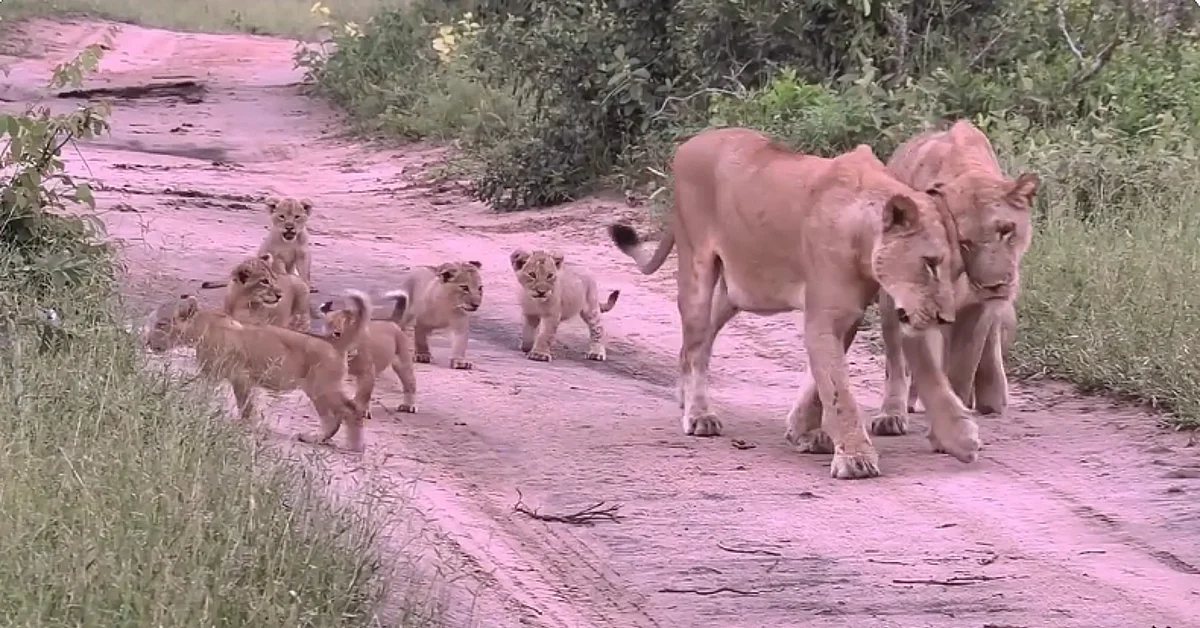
441 297
383 344
552 292
288 238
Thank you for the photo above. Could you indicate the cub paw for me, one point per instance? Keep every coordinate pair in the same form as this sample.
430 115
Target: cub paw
526 347
703 425
845 466
408 408
539 356
311 439
889 424
423 358
811 442
597 355
461 364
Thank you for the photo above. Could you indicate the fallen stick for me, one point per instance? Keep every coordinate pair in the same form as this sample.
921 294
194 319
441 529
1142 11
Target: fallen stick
588 516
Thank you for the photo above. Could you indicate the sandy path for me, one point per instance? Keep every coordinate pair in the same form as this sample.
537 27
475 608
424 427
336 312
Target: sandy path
1079 512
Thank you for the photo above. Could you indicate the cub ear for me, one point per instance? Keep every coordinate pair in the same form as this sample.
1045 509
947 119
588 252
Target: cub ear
272 203
558 259
900 213
307 204
326 307
241 275
266 257
447 272
475 263
1025 188
518 258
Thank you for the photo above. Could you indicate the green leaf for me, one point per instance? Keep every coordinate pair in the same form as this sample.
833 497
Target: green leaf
83 194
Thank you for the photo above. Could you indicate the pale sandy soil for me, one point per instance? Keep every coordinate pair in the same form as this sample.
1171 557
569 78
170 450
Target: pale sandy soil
1078 514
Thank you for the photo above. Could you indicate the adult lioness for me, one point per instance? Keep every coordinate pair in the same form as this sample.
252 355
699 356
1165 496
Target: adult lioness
442 297
992 214
266 356
287 239
383 343
259 292
762 229
552 291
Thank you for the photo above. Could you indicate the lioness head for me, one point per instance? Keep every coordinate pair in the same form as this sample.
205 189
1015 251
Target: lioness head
463 283
289 216
994 229
537 272
170 321
914 262
258 279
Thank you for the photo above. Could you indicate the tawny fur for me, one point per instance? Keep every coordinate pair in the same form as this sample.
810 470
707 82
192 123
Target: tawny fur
287 239
992 215
251 356
552 291
442 297
765 230
383 343
259 292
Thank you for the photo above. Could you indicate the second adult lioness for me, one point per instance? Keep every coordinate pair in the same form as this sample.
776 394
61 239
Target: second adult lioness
762 229
992 214
280 360
258 292
552 291
383 343
441 297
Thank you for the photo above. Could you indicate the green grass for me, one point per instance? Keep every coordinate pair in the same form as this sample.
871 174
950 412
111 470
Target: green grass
128 500
268 17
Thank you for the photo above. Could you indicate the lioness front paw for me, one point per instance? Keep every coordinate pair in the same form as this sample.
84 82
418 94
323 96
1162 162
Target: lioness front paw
461 364
408 408
539 356
862 465
890 424
960 440
598 354
810 442
423 358
703 425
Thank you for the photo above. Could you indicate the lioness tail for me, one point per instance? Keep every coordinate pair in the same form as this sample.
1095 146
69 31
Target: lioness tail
360 308
630 244
611 302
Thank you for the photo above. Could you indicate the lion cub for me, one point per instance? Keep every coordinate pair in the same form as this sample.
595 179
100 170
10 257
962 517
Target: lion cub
287 240
552 292
441 297
384 343
274 358
260 292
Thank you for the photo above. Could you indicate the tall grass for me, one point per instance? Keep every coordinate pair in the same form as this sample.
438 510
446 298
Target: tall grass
128 500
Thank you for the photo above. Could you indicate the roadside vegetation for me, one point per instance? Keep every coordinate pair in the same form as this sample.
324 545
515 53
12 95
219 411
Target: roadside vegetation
127 498
549 100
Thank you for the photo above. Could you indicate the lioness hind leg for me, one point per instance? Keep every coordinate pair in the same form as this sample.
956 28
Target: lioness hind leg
892 419
591 318
421 342
705 308
991 383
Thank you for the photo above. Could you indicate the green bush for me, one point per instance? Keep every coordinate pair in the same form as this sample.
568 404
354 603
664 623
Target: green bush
127 498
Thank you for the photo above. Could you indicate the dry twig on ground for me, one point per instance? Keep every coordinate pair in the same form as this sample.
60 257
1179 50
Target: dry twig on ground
588 516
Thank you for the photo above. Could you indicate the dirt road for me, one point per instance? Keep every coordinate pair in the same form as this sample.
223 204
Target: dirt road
1078 514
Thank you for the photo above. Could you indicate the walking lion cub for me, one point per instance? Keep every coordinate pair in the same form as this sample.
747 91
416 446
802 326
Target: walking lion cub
552 291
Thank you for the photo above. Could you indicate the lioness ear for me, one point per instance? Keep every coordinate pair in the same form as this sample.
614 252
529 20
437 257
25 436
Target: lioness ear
476 264
447 272
558 259
900 213
272 203
518 258
1024 188
307 204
